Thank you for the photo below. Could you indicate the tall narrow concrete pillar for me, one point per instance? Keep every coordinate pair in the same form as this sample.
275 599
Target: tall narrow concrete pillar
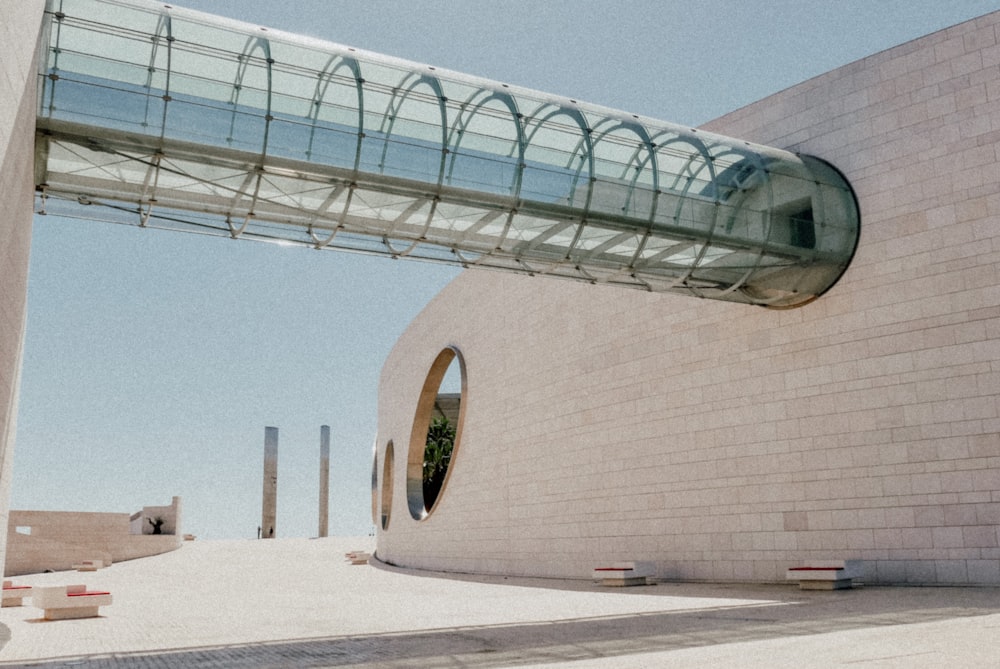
324 480
270 499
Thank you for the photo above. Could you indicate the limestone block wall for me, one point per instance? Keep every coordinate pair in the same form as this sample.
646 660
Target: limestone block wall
19 27
56 540
727 443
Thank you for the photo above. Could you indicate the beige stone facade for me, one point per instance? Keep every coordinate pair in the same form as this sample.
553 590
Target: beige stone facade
727 443
19 27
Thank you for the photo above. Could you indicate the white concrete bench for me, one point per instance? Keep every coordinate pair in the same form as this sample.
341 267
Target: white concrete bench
90 565
623 573
62 602
14 594
826 574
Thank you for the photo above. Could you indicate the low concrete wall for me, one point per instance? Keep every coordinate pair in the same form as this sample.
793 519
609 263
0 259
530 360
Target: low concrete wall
56 540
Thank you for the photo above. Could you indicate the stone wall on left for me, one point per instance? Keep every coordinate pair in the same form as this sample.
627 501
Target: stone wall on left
20 24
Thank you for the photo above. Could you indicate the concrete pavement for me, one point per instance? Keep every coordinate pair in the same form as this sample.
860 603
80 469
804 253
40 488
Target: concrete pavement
298 603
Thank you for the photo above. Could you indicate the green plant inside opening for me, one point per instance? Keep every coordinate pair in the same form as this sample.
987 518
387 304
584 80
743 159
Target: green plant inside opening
437 457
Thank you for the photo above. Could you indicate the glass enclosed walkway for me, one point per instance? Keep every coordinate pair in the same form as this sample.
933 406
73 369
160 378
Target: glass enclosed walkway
157 116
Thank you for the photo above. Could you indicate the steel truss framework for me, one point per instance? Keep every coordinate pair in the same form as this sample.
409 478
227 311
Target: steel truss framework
158 116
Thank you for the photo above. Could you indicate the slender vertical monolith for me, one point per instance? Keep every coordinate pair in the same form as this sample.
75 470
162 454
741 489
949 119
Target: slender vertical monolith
270 500
324 480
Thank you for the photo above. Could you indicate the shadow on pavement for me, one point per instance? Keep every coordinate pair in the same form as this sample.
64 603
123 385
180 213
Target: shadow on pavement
788 614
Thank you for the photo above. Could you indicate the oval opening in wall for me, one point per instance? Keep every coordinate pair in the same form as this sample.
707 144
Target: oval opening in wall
375 519
387 466
437 432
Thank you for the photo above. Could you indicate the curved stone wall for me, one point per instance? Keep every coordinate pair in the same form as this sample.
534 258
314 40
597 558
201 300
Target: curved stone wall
727 444
38 541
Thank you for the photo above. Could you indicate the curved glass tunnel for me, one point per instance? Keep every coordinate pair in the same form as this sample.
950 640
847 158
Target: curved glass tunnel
159 116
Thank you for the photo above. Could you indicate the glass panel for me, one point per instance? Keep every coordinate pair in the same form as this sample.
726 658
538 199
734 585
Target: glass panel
485 146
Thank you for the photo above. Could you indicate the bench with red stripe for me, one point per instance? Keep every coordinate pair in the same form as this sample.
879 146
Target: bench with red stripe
623 573
62 602
826 574
14 594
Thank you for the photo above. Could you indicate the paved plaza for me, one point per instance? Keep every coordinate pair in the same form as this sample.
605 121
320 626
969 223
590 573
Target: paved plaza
298 603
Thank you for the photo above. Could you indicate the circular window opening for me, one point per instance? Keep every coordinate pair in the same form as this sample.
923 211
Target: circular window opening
387 466
437 430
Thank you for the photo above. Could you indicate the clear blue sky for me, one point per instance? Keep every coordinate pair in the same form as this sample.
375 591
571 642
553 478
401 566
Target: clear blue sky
154 360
